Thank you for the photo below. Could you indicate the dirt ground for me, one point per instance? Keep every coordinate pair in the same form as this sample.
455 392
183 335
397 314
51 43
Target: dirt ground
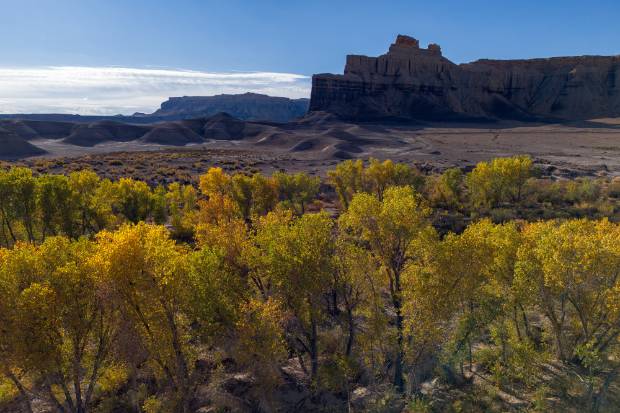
583 148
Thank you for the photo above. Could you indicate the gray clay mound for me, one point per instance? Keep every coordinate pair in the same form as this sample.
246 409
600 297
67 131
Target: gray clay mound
318 119
105 131
195 125
275 139
225 127
173 134
313 144
343 135
331 152
348 147
19 128
341 155
13 147
50 130
305 145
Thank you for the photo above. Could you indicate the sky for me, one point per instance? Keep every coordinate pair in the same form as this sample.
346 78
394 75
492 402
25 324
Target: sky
122 56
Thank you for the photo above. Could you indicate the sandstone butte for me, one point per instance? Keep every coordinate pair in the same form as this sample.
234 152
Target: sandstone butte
410 82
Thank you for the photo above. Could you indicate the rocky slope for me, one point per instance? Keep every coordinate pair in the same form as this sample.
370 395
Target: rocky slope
247 106
413 82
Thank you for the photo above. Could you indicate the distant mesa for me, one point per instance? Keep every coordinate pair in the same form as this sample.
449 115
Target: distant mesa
247 106
411 82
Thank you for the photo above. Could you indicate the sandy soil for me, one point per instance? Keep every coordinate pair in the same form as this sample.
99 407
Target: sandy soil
567 149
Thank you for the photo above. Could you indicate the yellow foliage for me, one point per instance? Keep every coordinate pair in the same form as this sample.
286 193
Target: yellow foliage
215 182
260 338
113 378
497 181
8 391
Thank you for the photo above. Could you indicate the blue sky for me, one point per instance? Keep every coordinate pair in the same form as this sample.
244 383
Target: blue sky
288 37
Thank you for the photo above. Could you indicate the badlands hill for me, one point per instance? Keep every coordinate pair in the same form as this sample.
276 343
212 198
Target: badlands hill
320 139
411 82
320 136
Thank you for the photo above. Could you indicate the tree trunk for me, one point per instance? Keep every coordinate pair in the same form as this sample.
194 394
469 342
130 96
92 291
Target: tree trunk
599 397
314 356
181 363
8 225
526 323
398 366
77 379
101 350
351 335
54 400
21 389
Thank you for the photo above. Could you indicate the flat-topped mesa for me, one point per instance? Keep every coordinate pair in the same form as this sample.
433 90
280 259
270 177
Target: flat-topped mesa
411 82
405 57
406 41
408 46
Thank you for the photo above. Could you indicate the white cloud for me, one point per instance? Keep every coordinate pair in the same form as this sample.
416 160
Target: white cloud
114 90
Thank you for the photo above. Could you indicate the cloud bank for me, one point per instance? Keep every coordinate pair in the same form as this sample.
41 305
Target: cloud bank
118 90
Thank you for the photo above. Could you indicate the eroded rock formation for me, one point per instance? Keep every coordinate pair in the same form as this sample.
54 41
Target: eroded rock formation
413 82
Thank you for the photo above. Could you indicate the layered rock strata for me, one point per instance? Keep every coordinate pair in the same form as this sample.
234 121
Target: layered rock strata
419 83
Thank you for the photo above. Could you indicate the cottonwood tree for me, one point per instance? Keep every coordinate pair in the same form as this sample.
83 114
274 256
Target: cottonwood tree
295 259
351 177
297 191
133 199
353 293
18 203
500 180
446 190
57 206
347 179
63 324
389 229
94 199
572 269
569 271
253 195
11 278
148 272
181 201
379 176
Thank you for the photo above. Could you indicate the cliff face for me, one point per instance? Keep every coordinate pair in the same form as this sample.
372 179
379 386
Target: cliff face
247 106
412 82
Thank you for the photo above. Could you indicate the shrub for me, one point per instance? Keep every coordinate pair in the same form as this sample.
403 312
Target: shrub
497 181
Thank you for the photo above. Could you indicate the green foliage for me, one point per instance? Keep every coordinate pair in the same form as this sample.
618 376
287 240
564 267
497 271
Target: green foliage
298 190
446 190
181 201
583 190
